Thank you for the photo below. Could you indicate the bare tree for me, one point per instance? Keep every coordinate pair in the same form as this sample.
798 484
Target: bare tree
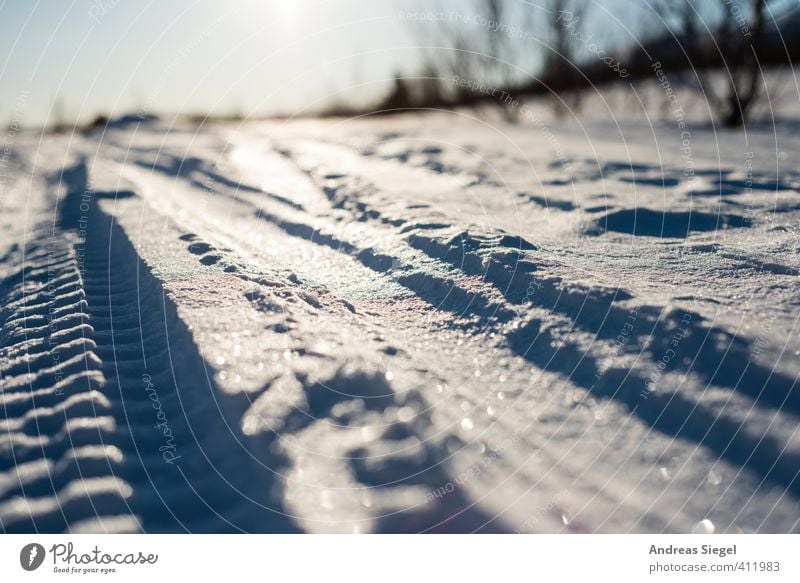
483 50
728 39
744 70
57 120
561 72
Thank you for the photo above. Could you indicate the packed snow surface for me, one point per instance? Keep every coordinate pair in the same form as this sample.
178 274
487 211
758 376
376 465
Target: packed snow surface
422 323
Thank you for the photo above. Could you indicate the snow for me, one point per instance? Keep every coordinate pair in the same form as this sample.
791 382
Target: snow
426 322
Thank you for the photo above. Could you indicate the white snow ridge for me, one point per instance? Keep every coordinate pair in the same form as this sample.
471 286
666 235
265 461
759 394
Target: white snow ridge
409 324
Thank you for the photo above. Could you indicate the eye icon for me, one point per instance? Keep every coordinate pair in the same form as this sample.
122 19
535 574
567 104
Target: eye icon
31 556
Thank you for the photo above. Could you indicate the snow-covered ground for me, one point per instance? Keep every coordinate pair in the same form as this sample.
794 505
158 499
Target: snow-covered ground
415 323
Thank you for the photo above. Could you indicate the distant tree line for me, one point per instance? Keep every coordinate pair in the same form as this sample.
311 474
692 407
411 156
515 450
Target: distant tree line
556 49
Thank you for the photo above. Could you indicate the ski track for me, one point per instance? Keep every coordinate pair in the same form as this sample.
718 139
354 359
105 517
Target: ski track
302 329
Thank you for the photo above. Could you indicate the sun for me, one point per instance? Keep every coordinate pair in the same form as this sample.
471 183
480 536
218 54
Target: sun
287 13
283 15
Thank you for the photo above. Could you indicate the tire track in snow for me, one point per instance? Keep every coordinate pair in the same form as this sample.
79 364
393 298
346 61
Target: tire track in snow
719 359
131 435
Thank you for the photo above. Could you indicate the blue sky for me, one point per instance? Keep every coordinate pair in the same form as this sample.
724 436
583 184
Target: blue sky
112 56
